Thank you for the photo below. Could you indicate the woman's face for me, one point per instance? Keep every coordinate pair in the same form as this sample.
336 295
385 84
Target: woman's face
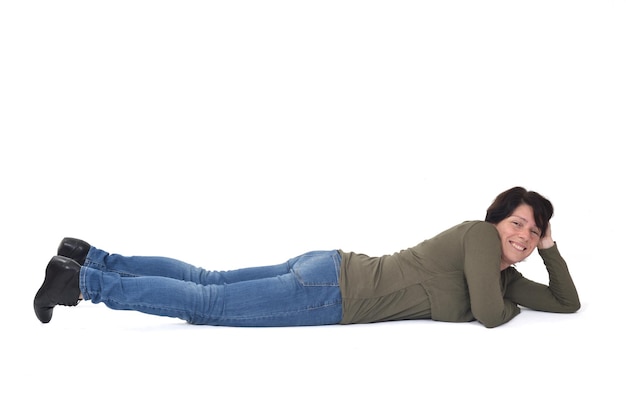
519 235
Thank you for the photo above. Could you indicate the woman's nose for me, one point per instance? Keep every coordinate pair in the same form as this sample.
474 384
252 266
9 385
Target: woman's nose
525 234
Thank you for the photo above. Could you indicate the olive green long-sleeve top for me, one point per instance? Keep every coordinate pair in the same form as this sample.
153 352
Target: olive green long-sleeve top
454 277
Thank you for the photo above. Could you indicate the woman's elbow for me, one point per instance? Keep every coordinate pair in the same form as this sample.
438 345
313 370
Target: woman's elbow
572 307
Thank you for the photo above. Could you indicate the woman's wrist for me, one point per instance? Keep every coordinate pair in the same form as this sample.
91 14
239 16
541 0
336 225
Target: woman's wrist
545 243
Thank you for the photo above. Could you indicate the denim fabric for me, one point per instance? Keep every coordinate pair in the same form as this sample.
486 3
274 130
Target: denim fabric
302 291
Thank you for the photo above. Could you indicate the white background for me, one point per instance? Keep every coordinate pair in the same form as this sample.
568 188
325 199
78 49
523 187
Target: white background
240 133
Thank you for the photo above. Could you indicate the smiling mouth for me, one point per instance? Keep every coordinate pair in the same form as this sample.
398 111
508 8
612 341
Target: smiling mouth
518 247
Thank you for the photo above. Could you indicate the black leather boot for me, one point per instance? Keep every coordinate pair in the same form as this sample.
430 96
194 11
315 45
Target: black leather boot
60 287
75 249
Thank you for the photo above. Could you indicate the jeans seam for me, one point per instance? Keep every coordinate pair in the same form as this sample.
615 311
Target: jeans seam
275 315
102 267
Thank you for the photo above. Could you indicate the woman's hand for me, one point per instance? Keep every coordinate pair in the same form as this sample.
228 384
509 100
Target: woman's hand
546 241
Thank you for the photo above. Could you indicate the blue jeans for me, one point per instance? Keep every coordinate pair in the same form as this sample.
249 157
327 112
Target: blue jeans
302 291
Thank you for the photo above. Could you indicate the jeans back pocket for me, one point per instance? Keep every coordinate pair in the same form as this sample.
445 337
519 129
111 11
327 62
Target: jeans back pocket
318 268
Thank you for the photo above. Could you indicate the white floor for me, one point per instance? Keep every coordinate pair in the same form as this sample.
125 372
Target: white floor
238 134
101 361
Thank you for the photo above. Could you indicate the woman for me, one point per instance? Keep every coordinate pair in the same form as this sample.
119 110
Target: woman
465 273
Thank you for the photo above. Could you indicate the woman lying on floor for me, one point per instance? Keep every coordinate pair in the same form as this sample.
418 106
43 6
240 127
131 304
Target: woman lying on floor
464 273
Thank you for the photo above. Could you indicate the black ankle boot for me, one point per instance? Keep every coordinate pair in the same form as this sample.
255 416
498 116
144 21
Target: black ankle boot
75 249
60 287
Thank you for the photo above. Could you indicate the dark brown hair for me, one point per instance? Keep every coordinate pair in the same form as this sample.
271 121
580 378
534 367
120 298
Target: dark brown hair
505 203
